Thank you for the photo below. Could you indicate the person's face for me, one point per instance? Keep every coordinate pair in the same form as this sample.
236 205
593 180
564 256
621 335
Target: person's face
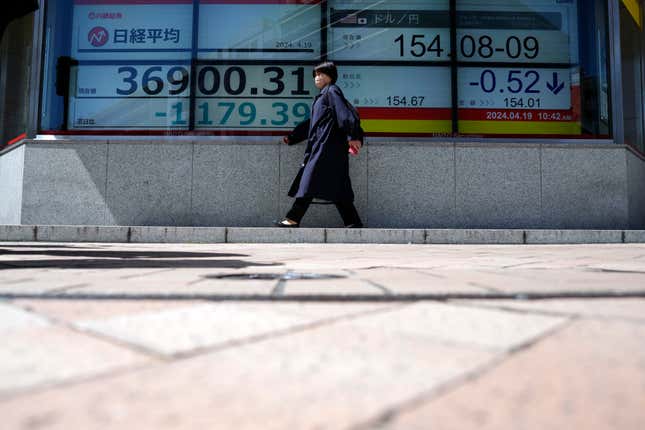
321 80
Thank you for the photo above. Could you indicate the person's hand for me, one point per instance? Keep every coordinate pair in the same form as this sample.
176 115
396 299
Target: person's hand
285 140
354 146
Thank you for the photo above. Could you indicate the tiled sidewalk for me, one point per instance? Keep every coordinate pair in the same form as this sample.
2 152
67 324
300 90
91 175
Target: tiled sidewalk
119 336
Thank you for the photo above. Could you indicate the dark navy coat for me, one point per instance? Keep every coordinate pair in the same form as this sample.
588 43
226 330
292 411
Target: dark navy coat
324 173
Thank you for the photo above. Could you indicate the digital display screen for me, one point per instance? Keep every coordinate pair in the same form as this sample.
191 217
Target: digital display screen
412 31
129 96
287 30
399 106
107 30
500 35
529 83
249 66
253 96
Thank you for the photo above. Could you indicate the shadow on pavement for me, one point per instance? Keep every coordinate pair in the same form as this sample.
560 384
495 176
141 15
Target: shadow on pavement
80 258
130 264
49 246
93 253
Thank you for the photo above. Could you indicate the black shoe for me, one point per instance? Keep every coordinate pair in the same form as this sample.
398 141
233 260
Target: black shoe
358 225
283 223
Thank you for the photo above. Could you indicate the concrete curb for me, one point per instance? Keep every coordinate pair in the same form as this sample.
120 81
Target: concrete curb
144 234
575 236
476 236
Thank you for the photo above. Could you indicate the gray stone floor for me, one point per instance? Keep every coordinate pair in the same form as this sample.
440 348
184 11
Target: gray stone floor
167 336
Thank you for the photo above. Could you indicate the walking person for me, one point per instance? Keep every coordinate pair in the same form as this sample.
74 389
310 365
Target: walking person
332 131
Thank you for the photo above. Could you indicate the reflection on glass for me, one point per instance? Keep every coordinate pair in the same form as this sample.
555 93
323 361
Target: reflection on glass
540 31
525 77
129 96
249 30
130 69
248 96
388 30
399 99
394 63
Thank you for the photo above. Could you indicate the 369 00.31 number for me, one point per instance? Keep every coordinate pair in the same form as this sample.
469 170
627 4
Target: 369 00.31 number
151 83
211 80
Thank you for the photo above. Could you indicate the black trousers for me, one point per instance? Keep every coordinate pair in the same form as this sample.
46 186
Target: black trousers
346 209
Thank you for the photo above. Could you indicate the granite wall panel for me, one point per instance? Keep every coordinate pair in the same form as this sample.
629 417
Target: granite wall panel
149 183
235 185
65 183
498 187
411 186
11 178
584 187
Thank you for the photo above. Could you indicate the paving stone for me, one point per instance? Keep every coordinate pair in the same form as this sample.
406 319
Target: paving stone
588 376
627 267
116 269
632 309
194 327
555 280
34 357
354 362
408 281
332 287
77 310
60 281
329 377
185 282
484 328
355 257
539 281
455 267
27 284
199 289
13 318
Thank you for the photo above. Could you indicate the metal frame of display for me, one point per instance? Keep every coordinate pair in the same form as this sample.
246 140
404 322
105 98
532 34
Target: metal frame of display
35 89
615 67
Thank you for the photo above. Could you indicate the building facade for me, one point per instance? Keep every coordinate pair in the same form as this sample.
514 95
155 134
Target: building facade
478 114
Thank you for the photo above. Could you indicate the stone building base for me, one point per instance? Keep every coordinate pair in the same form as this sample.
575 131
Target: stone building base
397 185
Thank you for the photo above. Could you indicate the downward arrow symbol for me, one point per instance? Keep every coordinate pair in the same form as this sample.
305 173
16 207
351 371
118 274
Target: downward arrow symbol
556 86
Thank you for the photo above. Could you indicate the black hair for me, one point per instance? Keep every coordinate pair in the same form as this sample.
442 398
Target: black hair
329 69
